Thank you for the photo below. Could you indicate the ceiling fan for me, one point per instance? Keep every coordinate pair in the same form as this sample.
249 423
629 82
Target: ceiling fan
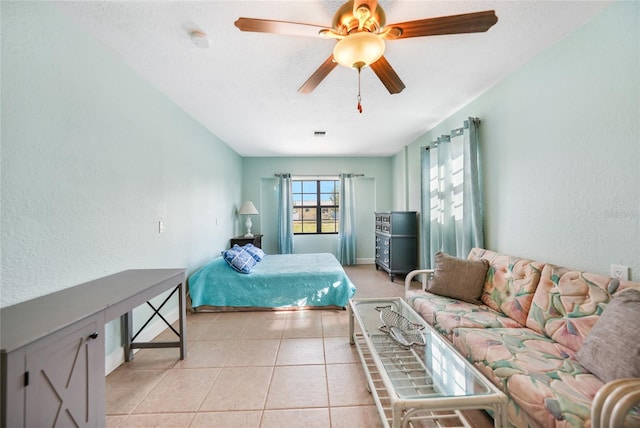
359 26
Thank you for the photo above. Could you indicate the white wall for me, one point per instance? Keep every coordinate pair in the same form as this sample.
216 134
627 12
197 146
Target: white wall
561 147
92 158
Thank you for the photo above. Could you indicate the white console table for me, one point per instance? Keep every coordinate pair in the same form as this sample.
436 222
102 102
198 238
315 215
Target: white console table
52 347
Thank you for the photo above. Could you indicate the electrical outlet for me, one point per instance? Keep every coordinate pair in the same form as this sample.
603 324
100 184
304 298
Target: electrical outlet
160 226
620 272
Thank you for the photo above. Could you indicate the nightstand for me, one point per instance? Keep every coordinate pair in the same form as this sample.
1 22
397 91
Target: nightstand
241 240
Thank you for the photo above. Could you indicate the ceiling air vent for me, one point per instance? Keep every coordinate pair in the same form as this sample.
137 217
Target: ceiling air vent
319 133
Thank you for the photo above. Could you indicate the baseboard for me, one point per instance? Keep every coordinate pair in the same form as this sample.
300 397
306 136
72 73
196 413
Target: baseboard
116 358
365 261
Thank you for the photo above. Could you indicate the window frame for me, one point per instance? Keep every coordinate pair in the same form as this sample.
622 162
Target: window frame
318 206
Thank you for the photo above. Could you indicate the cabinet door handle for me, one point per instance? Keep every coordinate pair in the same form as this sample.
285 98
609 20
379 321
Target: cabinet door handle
93 335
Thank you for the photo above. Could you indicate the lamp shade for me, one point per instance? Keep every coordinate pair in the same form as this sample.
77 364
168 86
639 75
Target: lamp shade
358 49
248 208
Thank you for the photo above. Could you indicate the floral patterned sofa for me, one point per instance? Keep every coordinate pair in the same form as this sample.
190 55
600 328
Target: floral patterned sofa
525 332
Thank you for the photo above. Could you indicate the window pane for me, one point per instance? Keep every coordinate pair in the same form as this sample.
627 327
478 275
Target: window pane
329 226
297 199
296 186
309 186
329 214
309 199
328 186
310 227
309 213
328 199
297 226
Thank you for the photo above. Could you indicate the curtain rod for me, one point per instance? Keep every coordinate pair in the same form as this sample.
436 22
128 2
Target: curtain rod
317 176
455 132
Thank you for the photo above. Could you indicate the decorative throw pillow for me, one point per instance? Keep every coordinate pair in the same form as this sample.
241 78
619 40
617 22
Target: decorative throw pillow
611 350
458 278
239 259
255 252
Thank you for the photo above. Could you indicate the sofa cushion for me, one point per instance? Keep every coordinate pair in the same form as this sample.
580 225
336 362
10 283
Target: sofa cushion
446 314
611 350
541 376
510 283
458 278
568 303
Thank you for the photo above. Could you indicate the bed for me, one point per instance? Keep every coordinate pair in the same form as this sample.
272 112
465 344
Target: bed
279 281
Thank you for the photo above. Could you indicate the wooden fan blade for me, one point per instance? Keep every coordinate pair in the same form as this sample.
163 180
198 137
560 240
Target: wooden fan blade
371 4
476 22
387 75
318 76
279 27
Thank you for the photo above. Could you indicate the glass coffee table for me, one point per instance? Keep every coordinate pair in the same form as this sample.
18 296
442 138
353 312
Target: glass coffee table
424 384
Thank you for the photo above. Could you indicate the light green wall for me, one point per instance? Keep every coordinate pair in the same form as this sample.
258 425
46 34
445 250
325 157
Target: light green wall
561 149
373 192
399 180
92 158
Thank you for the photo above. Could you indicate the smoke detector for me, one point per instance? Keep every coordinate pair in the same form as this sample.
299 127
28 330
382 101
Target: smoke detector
200 39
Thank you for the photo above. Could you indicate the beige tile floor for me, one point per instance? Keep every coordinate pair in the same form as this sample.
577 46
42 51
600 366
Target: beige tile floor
255 369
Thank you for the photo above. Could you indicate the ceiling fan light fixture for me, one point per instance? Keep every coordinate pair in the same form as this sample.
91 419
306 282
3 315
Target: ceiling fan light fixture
359 49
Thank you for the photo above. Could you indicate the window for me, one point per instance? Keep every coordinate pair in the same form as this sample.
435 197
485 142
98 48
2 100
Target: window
315 206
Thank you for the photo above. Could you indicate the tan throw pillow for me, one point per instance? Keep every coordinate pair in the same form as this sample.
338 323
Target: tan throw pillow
611 350
458 278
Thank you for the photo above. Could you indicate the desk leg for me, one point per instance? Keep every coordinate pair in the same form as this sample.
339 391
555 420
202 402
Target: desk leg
127 328
127 333
182 303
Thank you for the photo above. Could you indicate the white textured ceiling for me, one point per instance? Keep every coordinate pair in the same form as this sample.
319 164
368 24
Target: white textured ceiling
243 88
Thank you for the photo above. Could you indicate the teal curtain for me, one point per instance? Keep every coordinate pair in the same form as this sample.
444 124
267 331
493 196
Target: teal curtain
473 217
347 227
425 208
452 201
285 215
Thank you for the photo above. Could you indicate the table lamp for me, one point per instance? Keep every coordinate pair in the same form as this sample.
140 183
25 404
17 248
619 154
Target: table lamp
248 209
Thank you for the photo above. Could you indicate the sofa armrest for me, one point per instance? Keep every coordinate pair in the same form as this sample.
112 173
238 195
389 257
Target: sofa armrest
613 402
426 274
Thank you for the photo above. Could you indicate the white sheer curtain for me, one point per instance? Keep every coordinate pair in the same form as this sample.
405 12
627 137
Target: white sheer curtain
285 215
347 227
452 205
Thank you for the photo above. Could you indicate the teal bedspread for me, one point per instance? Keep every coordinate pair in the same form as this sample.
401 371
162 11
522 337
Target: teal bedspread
278 281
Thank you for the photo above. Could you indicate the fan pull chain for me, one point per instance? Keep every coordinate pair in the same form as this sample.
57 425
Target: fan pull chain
359 98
